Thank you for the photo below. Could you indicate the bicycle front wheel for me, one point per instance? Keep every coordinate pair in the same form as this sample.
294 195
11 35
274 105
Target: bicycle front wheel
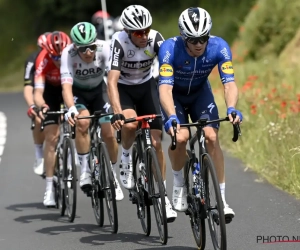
215 208
156 192
59 185
194 206
69 178
108 186
142 203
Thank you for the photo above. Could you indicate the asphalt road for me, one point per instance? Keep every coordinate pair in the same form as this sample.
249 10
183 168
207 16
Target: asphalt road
261 210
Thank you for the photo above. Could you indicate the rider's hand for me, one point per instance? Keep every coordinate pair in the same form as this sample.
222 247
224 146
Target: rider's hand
117 121
169 127
68 115
238 118
32 111
43 110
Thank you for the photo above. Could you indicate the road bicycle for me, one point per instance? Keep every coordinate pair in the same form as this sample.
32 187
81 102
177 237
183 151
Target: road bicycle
65 173
149 188
202 184
103 181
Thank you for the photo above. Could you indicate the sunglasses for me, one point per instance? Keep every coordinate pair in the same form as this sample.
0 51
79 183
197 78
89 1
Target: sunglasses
141 33
195 40
55 58
83 49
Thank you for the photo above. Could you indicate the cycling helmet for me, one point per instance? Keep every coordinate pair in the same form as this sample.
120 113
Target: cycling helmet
194 22
42 39
83 33
136 17
98 17
56 42
117 24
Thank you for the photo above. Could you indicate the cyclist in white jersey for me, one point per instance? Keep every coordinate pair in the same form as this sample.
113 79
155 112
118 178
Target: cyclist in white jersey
132 89
83 65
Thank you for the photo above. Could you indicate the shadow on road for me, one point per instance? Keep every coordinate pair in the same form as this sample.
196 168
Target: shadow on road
55 216
102 236
26 206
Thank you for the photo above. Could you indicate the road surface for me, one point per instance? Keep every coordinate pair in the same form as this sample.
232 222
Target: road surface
261 210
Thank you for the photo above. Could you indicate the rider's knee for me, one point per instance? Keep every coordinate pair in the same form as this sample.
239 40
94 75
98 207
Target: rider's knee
82 126
211 137
129 127
157 142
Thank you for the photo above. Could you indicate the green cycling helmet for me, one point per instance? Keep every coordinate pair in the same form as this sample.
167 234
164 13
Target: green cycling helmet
83 33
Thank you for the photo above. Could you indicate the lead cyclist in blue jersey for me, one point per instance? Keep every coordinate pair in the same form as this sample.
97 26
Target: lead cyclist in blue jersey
185 63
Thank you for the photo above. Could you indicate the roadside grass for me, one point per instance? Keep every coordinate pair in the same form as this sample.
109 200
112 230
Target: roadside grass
270 102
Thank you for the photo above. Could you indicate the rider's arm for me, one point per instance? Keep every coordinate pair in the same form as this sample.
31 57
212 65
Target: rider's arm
39 80
157 42
166 77
29 81
114 71
226 72
66 72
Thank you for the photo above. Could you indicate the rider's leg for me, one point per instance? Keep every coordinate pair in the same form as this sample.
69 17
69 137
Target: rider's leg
38 139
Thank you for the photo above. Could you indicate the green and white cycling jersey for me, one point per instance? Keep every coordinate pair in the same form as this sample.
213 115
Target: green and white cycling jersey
84 75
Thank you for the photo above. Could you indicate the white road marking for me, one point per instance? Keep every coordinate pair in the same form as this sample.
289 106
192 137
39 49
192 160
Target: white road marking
3 133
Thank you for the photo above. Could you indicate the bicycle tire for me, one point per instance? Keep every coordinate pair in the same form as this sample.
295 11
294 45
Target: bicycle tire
208 167
108 186
160 213
97 194
69 177
59 190
198 226
143 195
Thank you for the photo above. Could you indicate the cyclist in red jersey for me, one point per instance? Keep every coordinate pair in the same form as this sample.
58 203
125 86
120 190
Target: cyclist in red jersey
48 96
38 136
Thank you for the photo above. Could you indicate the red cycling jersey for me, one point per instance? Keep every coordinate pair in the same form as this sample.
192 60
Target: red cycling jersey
46 72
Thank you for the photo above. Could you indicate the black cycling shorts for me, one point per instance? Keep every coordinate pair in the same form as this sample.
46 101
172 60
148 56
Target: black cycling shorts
53 98
95 99
143 98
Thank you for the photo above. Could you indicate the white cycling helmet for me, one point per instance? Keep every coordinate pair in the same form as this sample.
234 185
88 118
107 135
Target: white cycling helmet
117 24
136 17
194 22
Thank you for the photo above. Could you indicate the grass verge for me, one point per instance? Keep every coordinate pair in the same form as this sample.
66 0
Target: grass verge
270 102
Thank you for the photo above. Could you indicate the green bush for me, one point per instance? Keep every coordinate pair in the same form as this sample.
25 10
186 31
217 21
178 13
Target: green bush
269 27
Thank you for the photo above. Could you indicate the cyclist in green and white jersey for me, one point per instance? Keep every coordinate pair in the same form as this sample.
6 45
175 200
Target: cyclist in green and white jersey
83 65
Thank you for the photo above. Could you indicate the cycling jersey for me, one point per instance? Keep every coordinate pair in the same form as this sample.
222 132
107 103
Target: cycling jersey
45 71
134 63
30 68
186 73
81 74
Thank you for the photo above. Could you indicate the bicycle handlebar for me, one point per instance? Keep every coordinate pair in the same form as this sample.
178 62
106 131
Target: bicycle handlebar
202 123
135 119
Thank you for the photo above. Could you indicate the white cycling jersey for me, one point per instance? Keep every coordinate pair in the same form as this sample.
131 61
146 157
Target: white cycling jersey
134 63
84 75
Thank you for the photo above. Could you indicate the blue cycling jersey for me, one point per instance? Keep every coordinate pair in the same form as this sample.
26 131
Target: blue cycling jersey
186 73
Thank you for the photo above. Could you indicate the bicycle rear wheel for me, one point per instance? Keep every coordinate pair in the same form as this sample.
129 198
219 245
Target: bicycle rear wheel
194 206
69 178
156 192
108 186
142 203
215 209
97 194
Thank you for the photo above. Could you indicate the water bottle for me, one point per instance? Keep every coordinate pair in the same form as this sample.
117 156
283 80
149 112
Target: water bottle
196 168
142 171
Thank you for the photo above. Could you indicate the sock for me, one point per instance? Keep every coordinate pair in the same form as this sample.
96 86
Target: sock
165 184
39 151
222 189
126 156
178 178
49 183
84 162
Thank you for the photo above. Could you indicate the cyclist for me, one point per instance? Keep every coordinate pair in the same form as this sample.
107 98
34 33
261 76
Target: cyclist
132 88
38 136
185 63
103 26
83 65
48 96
